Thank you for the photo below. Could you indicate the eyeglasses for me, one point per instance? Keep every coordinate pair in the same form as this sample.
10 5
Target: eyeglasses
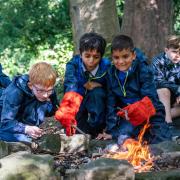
42 91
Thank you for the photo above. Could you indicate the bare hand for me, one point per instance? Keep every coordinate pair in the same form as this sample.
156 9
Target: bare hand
104 136
33 131
91 85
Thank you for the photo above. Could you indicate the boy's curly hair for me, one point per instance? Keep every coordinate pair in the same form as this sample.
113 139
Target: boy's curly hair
42 73
92 41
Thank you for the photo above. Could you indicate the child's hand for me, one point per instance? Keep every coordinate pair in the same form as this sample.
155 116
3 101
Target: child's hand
104 136
91 85
33 131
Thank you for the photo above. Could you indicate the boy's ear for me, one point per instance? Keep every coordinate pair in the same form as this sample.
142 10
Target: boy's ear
165 49
30 85
134 55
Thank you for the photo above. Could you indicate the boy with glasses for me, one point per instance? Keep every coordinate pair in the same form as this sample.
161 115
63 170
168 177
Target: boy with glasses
25 103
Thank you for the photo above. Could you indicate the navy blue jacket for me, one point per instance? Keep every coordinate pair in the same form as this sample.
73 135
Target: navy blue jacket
139 83
75 77
4 80
19 106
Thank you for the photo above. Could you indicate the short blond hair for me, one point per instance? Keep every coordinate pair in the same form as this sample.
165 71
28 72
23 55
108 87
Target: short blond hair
42 73
173 41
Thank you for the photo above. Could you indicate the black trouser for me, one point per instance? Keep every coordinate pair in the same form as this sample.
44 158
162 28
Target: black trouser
91 116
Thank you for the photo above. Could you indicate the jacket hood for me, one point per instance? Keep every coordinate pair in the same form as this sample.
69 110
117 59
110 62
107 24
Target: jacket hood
141 58
22 83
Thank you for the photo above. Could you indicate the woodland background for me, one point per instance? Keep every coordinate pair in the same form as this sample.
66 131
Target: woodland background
49 30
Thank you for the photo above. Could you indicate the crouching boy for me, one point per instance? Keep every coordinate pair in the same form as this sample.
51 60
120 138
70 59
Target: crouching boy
166 67
84 100
132 98
25 103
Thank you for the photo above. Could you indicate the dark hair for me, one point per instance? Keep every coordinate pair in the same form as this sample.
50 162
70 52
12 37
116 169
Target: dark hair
91 41
121 42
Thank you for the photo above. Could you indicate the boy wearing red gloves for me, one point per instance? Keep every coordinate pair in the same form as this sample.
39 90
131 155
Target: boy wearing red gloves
83 104
132 98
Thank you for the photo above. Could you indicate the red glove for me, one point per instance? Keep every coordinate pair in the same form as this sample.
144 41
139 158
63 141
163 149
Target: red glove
139 111
67 111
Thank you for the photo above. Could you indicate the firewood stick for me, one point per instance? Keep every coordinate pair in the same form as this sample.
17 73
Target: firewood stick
79 130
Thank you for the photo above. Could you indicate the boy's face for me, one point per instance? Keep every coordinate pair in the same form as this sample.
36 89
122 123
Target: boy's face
173 54
91 59
123 59
42 93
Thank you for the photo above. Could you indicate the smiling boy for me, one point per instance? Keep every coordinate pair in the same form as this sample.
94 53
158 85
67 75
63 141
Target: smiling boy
131 90
84 100
25 103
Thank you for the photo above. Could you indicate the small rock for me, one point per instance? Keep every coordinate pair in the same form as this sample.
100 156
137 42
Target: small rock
75 143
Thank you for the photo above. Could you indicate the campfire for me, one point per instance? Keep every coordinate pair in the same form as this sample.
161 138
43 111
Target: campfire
143 156
135 152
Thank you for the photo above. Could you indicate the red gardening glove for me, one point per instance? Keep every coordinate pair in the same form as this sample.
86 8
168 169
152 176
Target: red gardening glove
139 111
67 111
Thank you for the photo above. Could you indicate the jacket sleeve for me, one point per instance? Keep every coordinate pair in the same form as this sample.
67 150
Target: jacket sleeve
4 79
140 55
160 79
147 85
70 81
11 105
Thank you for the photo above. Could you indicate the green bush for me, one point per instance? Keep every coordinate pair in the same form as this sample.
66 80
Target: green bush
18 60
32 31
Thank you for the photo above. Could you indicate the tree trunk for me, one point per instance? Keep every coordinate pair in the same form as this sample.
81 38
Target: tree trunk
94 15
148 22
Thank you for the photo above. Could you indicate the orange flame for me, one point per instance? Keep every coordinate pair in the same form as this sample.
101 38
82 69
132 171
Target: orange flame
136 152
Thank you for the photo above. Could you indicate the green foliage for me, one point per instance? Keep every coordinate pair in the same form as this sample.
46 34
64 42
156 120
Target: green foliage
120 8
16 61
30 23
34 30
177 16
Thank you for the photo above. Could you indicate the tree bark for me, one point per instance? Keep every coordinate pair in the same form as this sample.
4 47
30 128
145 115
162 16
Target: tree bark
94 16
148 22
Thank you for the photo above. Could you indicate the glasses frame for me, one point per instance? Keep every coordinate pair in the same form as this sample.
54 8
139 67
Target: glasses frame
41 91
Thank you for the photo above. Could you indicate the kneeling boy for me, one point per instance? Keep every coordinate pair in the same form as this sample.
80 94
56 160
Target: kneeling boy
25 103
132 97
85 95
